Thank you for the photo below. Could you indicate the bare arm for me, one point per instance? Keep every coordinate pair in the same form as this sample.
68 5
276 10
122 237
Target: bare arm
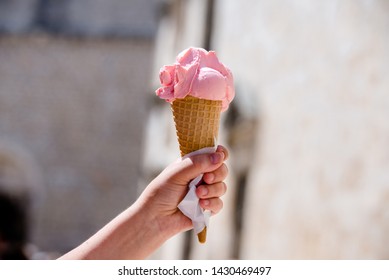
154 217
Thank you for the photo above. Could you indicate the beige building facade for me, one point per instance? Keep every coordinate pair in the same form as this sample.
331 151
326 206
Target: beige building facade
309 132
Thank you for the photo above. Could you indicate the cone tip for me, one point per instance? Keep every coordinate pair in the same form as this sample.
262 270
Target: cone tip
202 236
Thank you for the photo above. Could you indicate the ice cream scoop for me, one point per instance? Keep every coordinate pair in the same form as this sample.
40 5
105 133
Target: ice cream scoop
197 73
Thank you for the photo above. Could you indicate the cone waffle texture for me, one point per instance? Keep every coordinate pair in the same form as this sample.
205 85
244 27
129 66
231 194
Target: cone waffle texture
197 122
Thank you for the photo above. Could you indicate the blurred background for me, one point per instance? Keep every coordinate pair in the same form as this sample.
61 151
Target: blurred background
82 133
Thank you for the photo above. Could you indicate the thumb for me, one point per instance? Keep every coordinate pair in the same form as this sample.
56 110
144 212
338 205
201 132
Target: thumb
193 166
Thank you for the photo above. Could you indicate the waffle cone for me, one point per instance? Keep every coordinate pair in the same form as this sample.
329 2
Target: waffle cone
197 126
197 123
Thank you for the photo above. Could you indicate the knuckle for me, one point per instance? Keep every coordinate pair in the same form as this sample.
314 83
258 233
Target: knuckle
199 162
224 188
225 169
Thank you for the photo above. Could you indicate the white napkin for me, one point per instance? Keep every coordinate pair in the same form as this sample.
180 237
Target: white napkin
190 206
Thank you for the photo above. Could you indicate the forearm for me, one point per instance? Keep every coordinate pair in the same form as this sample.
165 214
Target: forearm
154 217
133 234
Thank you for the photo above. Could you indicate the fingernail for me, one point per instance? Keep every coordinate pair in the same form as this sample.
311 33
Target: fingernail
217 157
210 178
205 202
222 150
203 191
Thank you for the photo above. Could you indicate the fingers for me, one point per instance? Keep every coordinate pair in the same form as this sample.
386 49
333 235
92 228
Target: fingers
211 191
223 149
214 187
210 196
213 204
193 166
217 175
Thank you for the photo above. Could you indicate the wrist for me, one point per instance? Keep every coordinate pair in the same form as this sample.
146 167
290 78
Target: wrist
161 225
144 232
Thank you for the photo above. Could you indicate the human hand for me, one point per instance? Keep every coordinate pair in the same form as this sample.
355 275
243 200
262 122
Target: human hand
162 196
154 217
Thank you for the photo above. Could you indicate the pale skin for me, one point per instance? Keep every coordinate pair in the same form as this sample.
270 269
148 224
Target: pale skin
154 218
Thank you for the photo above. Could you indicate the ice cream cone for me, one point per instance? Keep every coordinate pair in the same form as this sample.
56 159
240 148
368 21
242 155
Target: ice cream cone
208 86
197 126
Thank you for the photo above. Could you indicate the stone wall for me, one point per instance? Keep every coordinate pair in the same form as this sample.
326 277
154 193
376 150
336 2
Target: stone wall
75 106
308 130
74 89
318 186
86 18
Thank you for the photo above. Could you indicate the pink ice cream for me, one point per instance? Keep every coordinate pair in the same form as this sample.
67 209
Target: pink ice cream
197 73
